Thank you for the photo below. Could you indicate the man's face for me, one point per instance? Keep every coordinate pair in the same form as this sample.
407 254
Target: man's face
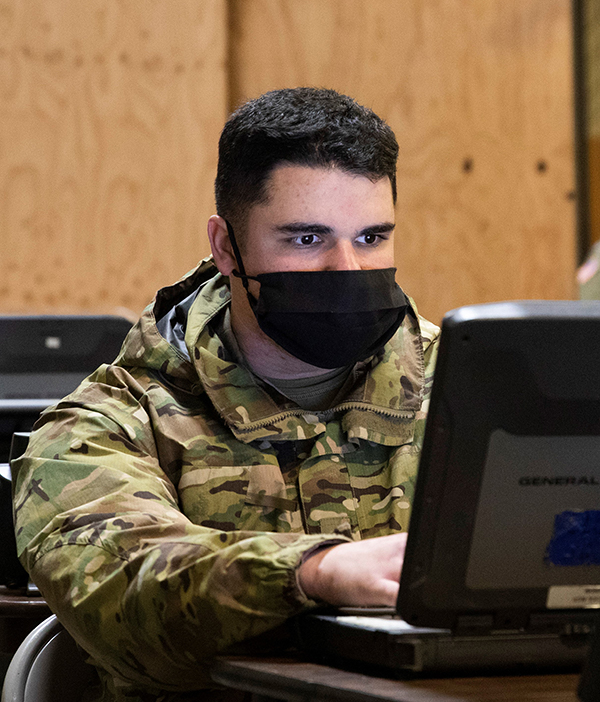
314 219
318 219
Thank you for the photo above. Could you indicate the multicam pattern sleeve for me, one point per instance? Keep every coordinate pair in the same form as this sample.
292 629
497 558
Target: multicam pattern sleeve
146 591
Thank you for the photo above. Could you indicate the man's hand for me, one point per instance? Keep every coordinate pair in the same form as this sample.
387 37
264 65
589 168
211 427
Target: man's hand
360 573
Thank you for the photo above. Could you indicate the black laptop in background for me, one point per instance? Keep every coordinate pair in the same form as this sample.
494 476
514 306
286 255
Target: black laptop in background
502 568
42 359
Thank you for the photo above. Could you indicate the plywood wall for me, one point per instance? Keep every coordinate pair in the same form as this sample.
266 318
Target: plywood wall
110 113
479 93
109 116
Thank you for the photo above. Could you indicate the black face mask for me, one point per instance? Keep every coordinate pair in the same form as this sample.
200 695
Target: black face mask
329 319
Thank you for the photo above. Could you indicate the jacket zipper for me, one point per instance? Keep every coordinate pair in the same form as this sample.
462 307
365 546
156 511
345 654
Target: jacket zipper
321 415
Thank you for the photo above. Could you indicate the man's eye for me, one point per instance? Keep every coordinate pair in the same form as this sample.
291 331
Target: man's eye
307 239
370 239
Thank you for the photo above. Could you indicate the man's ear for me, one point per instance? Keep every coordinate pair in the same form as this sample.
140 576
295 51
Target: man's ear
220 245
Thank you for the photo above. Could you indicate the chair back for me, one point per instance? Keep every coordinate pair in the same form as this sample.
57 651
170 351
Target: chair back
48 667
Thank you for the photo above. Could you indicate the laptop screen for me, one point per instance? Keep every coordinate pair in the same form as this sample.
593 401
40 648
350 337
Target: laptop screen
506 518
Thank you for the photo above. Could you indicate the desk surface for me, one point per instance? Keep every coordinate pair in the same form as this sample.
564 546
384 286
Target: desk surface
19 603
297 679
19 614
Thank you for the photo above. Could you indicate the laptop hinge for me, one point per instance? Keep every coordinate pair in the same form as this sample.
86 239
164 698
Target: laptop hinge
501 621
473 624
575 624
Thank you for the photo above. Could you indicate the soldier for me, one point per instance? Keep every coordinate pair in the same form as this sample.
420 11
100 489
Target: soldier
253 449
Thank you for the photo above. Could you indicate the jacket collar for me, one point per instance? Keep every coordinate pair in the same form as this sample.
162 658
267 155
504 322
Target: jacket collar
380 407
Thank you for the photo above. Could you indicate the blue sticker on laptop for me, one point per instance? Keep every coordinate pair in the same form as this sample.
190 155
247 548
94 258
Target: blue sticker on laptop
576 539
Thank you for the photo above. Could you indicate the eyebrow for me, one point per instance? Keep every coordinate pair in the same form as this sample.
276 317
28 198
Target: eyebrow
315 228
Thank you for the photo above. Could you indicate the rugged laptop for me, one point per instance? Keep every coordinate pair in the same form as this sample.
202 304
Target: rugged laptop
45 357
502 568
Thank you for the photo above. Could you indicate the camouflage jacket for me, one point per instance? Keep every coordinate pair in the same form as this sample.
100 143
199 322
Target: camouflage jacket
164 506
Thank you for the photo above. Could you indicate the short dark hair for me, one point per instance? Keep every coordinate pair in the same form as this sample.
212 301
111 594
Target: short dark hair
302 126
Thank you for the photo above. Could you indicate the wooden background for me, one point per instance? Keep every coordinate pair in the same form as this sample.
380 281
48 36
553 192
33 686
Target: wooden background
110 112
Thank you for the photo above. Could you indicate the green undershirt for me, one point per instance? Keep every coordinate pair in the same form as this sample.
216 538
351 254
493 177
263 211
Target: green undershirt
314 393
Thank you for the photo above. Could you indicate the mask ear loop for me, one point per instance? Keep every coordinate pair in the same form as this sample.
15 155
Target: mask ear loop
238 257
242 272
